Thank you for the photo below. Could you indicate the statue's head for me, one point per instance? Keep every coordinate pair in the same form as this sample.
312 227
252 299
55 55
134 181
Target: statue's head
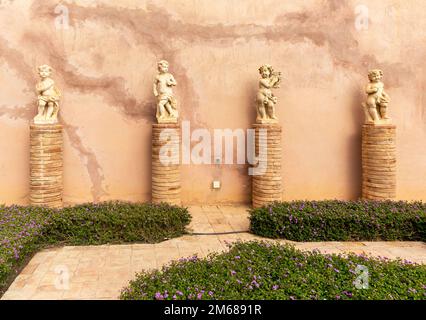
266 71
44 71
163 66
375 75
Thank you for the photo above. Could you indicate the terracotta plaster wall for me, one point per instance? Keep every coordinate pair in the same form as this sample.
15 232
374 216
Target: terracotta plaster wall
105 62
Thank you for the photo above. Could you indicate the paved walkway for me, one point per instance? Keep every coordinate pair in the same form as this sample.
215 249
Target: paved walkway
100 272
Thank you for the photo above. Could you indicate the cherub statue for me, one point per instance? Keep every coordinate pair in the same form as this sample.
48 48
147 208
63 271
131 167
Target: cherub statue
265 100
48 97
375 107
166 102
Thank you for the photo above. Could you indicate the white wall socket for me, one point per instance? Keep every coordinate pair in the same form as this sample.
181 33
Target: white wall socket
216 184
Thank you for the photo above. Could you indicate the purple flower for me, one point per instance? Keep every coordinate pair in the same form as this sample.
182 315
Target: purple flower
275 287
159 296
199 296
237 257
210 293
233 272
338 297
179 292
336 270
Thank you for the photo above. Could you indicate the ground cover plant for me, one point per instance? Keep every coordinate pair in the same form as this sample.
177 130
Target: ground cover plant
25 230
260 270
341 220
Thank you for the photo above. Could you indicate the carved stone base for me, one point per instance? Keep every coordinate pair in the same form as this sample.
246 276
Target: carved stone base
378 162
267 186
46 167
166 186
167 120
267 121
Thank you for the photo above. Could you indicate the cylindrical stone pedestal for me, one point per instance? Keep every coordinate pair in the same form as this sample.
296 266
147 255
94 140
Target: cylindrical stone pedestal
46 165
166 186
378 162
267 182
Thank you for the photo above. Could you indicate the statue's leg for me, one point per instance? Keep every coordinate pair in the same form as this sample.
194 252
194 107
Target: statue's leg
368 118
169 109
50 110
161 110
41 107
372 110
271 111
261 114
383 112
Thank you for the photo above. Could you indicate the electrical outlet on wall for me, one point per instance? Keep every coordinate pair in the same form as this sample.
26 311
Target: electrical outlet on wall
216 184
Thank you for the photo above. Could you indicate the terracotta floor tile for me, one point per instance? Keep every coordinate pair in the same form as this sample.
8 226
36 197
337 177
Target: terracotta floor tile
209 209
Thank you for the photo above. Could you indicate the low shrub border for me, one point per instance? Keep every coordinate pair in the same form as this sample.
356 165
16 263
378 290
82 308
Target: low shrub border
260 270
341 220
25 230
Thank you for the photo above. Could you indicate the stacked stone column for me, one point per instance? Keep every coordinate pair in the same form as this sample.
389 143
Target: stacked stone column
378 162
166 185
46 165
267 185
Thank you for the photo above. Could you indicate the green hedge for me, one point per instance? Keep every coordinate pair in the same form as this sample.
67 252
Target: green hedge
116 222
25 230
259 270
341 220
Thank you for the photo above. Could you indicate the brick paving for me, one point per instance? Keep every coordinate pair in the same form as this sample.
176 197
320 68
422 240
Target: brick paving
100 272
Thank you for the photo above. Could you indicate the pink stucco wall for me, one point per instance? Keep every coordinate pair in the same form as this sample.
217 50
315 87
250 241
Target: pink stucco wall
105 62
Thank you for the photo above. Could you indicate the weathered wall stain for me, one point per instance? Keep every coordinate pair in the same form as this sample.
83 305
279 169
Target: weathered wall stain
93 168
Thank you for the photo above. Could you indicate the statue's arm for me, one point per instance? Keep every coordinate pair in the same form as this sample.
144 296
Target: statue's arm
43 86
172 81
371 89
154 88
265 83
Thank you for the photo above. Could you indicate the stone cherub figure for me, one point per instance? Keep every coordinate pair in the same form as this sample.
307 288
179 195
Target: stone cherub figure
166 102
265 100
376 105
48 97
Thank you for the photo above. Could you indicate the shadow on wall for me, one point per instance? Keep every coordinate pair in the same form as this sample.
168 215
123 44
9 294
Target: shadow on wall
354 145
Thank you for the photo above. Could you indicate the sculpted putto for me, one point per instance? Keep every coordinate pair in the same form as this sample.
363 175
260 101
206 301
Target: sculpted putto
376 105
265 100
48 97
166 102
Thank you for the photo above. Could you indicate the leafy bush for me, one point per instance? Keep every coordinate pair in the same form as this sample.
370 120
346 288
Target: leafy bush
341 220
117 222
20 230
259 270
24 230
